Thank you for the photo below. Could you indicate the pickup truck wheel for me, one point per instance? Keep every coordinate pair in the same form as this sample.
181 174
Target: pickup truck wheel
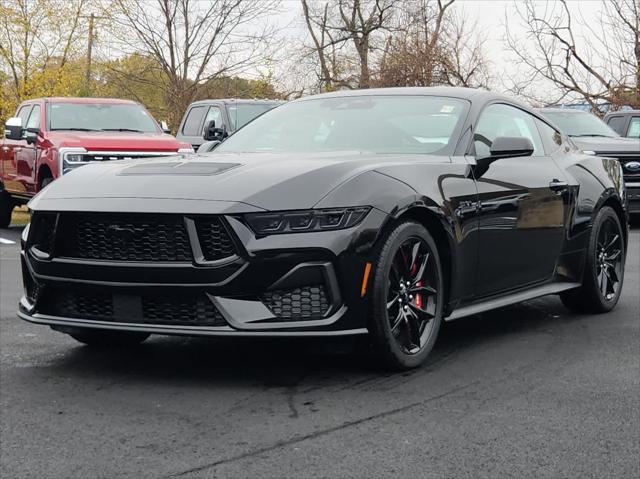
104 339
6 208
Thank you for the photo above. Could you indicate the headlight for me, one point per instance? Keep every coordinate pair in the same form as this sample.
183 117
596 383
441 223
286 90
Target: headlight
305 221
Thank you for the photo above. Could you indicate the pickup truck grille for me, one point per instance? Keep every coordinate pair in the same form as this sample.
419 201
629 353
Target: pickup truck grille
131 237
628 173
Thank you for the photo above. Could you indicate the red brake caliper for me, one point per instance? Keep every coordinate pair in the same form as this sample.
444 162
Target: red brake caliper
418 298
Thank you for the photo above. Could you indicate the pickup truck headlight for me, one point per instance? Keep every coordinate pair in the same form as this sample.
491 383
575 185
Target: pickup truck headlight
71 158
305 221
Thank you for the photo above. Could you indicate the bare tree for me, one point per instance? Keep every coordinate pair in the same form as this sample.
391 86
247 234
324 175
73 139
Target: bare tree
336 25
433 44
195 42
605 68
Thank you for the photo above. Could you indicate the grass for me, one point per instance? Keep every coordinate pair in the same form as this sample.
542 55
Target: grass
20 216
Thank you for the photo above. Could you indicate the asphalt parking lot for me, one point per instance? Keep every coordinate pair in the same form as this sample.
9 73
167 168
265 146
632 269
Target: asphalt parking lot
526 391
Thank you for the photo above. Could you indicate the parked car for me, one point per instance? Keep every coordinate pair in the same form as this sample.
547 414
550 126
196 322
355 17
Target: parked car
379 212
625 123
594 136
49 137
227 115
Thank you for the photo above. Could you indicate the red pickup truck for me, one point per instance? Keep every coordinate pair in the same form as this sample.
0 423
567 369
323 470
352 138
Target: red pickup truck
49 137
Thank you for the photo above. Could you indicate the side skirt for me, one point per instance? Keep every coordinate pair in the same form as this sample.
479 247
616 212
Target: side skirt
509 299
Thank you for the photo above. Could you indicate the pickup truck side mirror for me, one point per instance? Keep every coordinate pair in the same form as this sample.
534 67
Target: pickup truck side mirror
165 127
211 133
13 129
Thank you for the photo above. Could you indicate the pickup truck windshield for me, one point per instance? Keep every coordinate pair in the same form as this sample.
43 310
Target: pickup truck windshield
242 113
100 117
579 124
378 124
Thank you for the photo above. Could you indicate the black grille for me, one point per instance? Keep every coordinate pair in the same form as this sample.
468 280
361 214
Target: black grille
215 241
125 237
92 303
304 303
190 309
627 173
77 304
42 228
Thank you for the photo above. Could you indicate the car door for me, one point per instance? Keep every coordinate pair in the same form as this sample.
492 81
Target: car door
521 207
191 128
11 150
27 155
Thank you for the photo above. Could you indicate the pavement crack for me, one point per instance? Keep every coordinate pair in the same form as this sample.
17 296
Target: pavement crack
322 432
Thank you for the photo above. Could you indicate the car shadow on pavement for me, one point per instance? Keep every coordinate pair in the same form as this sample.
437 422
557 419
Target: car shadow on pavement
282 362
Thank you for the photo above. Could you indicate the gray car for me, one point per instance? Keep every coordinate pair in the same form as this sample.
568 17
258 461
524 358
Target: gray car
593 136
228 115
625 123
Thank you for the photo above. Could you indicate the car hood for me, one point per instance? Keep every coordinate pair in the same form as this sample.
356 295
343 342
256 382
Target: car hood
114 141
607 145
255 180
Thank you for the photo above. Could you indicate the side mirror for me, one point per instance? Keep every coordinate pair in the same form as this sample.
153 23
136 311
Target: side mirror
511 147
13 129
165 127
211 133
208 146
31 136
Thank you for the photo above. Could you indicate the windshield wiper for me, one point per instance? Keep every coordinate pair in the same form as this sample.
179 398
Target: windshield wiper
74 129
122 129
591 134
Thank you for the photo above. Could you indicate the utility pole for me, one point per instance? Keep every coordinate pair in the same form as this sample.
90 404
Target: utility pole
91 36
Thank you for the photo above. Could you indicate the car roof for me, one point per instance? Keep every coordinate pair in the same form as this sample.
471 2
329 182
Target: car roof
623 112
237 100
448 91
70 99
562 110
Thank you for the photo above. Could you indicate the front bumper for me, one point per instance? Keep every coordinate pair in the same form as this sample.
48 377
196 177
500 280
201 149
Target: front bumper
304 284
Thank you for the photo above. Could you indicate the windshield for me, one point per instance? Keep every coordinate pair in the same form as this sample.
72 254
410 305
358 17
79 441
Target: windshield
100 117
242 113
379 124
576 124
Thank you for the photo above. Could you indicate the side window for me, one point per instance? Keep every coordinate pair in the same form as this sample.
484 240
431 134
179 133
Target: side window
617 124
34 118
23 114
504 120
634 127
551 138
214 114
193 124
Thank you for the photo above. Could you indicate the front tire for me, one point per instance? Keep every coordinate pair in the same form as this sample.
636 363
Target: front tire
102 339
6 208
406 302
604 267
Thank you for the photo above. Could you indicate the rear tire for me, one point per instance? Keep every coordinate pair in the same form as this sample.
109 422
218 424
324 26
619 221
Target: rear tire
102 339
6 208
604 267
406 302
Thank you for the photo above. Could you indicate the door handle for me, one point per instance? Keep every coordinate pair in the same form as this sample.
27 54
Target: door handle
558 186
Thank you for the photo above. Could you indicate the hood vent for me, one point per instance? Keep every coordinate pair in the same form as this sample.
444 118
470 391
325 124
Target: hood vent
198 168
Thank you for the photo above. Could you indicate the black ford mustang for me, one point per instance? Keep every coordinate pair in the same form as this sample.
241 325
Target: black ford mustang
379 212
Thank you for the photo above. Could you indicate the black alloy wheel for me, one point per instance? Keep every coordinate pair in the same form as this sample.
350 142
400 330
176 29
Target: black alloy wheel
604 267
608 259
406 303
